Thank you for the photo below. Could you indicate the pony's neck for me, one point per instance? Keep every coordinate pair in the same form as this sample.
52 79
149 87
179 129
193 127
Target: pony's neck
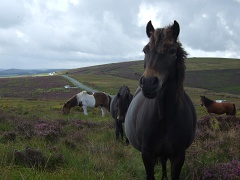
208 102
74 101
174 90
168 102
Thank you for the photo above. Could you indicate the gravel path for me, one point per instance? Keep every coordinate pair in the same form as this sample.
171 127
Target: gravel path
78 84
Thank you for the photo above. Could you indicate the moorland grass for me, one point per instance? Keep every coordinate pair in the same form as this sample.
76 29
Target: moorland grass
76 146
216 74
203 64
108 84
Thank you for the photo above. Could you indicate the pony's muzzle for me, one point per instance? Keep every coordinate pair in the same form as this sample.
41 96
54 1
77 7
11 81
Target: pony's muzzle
65 111
150 86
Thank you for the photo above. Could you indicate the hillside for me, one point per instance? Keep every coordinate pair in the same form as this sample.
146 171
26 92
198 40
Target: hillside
216 74
24 72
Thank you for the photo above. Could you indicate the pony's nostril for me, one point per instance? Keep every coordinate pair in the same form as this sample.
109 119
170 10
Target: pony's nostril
155 81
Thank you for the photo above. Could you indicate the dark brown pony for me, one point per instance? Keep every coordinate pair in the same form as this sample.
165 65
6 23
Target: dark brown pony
88 99
161 119
218 107
118 109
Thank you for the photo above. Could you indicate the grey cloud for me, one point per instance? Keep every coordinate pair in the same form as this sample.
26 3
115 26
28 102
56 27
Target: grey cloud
41 33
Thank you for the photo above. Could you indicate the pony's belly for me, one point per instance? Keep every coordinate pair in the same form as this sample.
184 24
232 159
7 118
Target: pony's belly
89 101
130 123
134 120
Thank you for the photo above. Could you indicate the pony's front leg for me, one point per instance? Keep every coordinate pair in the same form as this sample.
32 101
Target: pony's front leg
119 129
103 109
85 110
149 162
164 167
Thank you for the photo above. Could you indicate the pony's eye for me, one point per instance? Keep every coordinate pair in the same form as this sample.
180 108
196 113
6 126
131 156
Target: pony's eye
146 49
173 51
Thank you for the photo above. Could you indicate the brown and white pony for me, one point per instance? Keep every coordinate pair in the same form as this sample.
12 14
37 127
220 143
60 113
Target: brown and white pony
218 107
88 99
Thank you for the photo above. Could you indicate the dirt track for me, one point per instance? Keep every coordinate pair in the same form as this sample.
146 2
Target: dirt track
78 84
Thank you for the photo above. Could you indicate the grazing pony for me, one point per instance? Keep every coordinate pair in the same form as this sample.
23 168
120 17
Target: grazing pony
218 107
88 99
118 109
161 119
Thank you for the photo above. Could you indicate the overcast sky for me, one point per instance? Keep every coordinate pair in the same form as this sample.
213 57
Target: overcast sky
68 34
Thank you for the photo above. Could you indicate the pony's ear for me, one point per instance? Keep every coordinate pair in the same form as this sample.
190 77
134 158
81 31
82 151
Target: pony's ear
149 29
175 29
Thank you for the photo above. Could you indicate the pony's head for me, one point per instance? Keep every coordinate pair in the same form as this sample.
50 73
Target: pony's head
164 60
124 98
69 104
66 108
202 100
206 101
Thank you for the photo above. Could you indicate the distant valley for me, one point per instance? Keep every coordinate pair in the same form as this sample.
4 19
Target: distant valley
24 72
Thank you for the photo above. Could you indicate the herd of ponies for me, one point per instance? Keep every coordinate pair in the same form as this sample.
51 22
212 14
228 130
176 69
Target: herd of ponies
160 118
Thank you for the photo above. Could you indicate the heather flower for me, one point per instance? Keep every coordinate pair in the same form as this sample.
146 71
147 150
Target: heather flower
224 171
50 131
25 128
77 123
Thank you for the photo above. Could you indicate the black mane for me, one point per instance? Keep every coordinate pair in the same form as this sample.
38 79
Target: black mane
124 98
206 102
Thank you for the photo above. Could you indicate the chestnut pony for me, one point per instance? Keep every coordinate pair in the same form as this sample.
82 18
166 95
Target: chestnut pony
218 107
88 99
161 119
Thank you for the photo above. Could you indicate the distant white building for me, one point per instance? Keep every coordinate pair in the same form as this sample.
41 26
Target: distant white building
219 101
66 86
51 73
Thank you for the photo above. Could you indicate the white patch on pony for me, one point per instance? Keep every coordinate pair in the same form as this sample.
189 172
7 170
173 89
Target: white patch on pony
103 109
86 100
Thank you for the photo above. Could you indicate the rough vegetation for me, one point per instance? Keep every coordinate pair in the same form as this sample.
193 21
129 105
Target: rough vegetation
36 87
38 142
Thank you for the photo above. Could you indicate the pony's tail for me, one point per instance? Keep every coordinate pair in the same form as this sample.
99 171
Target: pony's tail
234 110
109 102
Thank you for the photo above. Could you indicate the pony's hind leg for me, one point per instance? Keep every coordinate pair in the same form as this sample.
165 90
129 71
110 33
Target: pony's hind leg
103 109
85 110
176 165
